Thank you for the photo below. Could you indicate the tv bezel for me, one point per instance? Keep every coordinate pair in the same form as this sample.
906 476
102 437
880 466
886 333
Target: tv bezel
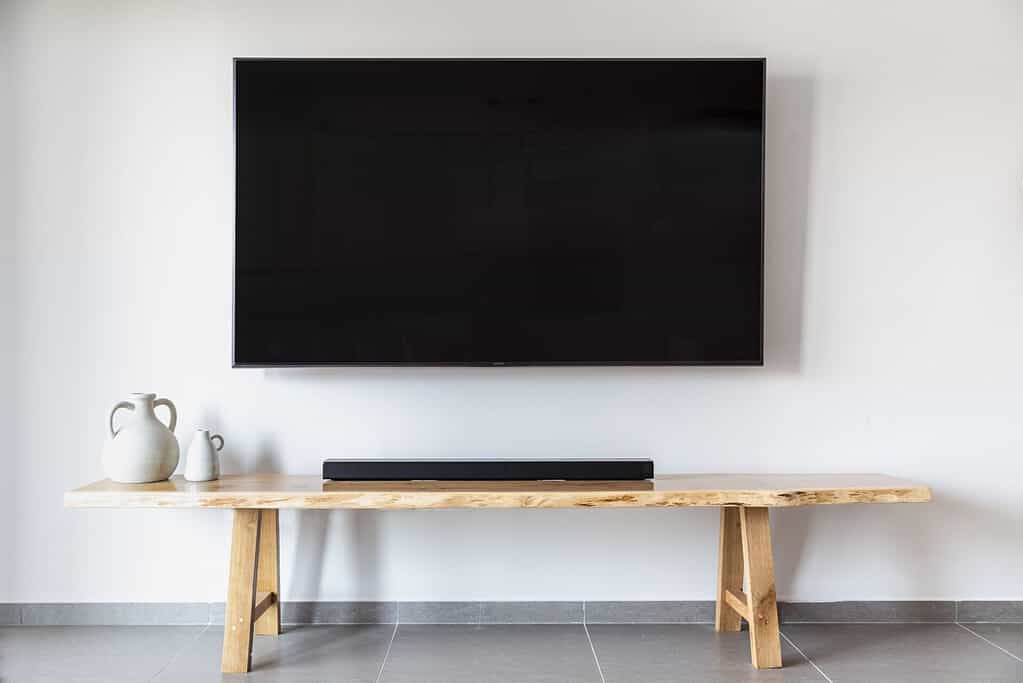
753 362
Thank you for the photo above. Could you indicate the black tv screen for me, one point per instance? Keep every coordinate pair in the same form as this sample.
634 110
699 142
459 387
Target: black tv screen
499 212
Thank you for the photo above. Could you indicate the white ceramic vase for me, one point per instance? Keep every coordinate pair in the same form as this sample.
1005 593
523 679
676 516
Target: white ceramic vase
143 449
202 462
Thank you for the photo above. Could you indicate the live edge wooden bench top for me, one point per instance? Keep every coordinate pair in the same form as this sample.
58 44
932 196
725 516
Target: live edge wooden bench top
675 490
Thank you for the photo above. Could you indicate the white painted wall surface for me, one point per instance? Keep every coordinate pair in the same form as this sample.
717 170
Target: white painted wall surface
8 302
894 335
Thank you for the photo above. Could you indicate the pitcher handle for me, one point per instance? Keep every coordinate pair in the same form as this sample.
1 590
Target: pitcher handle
218 436
170 407
122 404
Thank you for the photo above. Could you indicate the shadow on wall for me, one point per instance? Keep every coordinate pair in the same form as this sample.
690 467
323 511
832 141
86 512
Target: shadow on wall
351 528
914 536
345 529
354 529
787 209
266 458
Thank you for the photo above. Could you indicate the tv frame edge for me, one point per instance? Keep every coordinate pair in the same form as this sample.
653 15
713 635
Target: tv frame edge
753 362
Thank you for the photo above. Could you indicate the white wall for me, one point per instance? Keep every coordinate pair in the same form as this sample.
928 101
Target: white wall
895 310
8 303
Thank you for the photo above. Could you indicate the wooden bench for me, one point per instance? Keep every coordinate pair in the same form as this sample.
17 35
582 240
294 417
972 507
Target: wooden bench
253 594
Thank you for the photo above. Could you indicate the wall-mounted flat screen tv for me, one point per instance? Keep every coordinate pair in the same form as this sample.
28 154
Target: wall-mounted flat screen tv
499 212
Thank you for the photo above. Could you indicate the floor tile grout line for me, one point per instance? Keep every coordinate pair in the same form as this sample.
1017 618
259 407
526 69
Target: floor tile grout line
991 643
177 654
387 653
808 660
594 651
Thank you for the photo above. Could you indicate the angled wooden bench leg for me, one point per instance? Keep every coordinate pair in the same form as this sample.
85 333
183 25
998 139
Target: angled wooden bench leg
745 549
268 576
761 603
729 571
241 592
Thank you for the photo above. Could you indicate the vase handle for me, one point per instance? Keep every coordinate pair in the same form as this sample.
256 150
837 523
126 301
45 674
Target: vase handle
218 436
170 407
122 404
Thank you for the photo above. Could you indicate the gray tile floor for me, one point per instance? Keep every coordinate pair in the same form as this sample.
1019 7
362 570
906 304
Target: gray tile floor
599 653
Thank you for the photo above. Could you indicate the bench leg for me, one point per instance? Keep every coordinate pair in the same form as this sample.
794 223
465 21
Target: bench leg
269 572
762 605
745 550
241 592
729 570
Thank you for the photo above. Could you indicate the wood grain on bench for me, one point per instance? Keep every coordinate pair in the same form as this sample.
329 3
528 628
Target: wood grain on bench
681 490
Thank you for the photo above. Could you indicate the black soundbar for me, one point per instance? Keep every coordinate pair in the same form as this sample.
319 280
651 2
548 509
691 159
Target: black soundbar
488 470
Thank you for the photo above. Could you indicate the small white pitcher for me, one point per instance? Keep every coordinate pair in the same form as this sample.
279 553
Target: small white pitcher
202 462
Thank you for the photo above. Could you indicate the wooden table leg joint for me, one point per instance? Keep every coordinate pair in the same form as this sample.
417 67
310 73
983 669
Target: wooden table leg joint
739 603
264 601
